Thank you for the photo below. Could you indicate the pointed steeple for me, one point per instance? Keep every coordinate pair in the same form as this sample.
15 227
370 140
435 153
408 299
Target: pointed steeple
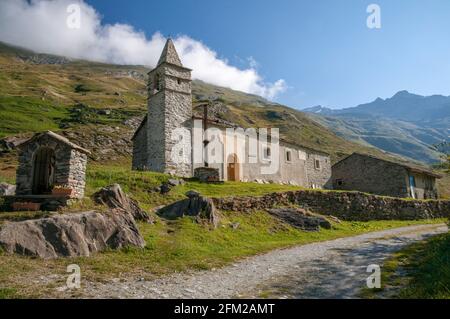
169 54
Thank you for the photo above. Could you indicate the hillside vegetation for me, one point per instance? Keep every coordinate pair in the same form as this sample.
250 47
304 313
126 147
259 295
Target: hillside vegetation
42 92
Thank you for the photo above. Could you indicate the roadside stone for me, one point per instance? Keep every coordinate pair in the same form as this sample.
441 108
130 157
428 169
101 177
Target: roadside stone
300 218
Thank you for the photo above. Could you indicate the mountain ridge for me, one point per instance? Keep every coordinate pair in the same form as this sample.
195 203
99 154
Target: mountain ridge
408 124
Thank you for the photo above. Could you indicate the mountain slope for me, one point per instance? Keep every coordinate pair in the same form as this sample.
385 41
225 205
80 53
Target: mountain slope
406 124
99 105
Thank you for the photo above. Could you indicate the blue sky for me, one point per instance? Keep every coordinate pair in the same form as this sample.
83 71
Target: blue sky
322 49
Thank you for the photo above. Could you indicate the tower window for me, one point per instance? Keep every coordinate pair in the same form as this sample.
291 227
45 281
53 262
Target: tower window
178 81
158 83
317 164
288 156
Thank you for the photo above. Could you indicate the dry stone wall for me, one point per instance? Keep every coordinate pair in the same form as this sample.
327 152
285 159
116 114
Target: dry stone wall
354 206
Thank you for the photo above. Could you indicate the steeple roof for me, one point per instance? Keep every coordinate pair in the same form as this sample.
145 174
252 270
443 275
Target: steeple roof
169 54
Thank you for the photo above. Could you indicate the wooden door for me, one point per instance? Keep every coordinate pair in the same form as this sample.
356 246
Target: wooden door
233 168
43 171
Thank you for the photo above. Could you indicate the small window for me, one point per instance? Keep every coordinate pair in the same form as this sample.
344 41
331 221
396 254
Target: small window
267 153
317 164
158 83
179 81
339 182
288 156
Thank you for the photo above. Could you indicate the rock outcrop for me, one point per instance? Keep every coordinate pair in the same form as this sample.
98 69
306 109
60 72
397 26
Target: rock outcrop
195 205
343 205
71 235
113 197
300 218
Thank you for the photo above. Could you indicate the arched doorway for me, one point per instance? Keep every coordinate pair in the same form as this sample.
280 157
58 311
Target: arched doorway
233 167
43 171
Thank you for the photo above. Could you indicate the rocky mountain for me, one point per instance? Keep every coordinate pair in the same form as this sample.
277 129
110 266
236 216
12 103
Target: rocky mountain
100 105
407 124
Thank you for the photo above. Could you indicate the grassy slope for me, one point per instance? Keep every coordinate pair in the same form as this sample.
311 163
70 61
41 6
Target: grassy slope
171 245
424 269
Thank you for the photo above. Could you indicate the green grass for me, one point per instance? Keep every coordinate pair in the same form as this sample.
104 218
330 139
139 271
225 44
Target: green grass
27 114
140 185
8 293
420 271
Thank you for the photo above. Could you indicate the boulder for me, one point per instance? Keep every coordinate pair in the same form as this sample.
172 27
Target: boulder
175 182
7 189
113 197
195 205
166 187
300 218
71 235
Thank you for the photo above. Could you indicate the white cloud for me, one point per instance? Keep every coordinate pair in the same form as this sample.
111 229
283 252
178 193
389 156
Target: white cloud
41 25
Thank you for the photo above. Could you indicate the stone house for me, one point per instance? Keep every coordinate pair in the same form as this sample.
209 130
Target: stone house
170 108
366 173
47 160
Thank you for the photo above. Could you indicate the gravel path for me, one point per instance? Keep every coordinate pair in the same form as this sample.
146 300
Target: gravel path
332 269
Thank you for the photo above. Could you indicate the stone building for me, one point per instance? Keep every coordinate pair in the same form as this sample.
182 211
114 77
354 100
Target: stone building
374 175
170 108
47 160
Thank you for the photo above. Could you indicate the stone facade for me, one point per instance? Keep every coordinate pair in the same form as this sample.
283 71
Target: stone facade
369 174
140 151
68 163
352 206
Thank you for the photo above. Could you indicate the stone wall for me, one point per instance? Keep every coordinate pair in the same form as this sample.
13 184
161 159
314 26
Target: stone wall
178 115
207 174
140 148
156 133
370 175
319 176
425 186
344 205
77 173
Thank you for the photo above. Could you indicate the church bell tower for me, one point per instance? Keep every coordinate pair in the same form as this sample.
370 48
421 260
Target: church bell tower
169 113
